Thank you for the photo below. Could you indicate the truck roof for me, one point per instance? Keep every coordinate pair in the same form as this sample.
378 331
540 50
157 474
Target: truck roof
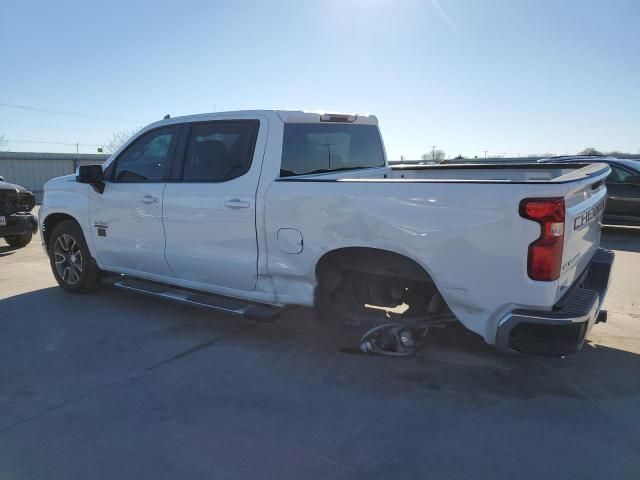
286 116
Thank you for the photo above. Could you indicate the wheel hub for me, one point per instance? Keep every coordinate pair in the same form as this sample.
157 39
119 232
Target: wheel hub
68 259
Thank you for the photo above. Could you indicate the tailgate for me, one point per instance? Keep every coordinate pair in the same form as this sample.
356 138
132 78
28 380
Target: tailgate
585 202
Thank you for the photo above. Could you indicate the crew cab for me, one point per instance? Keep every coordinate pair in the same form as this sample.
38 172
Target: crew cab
250 212
17 223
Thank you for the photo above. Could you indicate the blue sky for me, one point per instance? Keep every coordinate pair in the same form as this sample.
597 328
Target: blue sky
513 76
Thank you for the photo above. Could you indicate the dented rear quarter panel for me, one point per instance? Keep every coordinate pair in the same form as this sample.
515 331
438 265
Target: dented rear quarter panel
469 237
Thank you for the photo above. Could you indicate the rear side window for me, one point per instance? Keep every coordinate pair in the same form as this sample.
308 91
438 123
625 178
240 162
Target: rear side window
326 147
618 175
147 158
219 151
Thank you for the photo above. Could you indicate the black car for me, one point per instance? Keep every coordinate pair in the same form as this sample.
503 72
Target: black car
623 187
17 223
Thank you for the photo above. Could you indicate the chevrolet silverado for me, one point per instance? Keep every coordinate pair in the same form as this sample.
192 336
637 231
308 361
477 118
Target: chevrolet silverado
249 212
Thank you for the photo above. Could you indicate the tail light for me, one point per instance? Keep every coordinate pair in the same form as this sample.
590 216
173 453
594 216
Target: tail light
545 254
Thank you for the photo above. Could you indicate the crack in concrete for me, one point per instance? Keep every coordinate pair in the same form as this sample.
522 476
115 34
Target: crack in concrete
199 347
60 405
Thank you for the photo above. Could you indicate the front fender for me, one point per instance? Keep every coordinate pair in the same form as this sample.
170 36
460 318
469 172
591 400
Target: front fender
64 196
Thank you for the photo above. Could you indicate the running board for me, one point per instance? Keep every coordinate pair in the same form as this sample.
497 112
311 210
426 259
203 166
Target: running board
252 311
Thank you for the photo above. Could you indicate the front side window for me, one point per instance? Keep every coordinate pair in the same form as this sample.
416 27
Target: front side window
219 151
326 147
146 159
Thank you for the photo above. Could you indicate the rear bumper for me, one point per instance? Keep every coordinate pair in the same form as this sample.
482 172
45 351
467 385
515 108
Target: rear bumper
562 330
19 223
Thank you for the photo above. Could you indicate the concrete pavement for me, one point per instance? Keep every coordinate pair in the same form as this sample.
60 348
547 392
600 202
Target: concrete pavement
112 385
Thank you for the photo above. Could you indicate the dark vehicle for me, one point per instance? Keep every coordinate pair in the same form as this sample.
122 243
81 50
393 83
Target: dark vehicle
623 187
17 223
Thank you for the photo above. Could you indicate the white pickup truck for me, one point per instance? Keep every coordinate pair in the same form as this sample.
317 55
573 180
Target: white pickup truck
250 212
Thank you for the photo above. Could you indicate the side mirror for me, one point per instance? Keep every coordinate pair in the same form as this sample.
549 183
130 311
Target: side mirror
633 180
93 175
1 178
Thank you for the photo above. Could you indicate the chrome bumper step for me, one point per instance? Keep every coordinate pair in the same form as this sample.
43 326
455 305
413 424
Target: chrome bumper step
249 310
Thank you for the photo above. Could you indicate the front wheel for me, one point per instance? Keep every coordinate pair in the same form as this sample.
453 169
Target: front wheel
19 241
73 267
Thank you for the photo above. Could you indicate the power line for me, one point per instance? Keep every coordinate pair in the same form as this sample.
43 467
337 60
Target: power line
51 143
69 114
53 127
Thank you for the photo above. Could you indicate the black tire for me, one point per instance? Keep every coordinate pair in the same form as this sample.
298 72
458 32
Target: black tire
19 241
72 265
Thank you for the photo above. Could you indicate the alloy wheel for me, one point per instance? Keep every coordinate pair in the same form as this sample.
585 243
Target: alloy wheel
68 259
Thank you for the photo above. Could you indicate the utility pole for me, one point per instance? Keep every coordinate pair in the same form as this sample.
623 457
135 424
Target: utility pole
433 152
485 154
77 156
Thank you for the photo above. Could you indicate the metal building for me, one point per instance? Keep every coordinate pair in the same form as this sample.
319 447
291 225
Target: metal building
33 170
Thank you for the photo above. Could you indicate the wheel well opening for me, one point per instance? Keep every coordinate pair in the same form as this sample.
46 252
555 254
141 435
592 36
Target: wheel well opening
51 222
361 276
372 260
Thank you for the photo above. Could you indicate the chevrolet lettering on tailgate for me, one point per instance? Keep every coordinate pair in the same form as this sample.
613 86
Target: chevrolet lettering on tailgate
589 215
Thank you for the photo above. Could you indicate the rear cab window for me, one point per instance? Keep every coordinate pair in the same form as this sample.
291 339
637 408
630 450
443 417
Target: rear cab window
328 147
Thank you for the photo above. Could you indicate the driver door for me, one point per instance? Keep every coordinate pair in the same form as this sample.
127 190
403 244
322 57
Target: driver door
126 219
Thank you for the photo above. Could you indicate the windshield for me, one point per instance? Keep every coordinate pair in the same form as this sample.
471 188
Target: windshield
327 147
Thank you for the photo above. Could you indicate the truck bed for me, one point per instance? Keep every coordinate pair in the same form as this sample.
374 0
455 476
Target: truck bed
466 232
514 173
496 173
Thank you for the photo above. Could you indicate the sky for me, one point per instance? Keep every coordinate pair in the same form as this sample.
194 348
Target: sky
510 77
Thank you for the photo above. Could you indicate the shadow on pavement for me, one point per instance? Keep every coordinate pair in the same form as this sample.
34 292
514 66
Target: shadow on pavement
475 368
6 250
621 238
452 361
455 361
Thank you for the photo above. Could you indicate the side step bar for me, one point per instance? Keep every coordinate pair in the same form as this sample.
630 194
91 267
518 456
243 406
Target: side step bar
252 311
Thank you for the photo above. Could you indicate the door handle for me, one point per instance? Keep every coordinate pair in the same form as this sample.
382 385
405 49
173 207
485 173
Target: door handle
236 203
149 199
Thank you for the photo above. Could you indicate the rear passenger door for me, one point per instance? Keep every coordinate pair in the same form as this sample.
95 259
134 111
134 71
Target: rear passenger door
210 205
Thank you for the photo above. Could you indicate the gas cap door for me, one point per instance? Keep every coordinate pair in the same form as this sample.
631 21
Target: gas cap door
290 240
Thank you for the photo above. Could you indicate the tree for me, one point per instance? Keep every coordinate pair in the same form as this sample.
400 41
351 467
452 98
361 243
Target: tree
615 153
117 139
590 151
436 155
